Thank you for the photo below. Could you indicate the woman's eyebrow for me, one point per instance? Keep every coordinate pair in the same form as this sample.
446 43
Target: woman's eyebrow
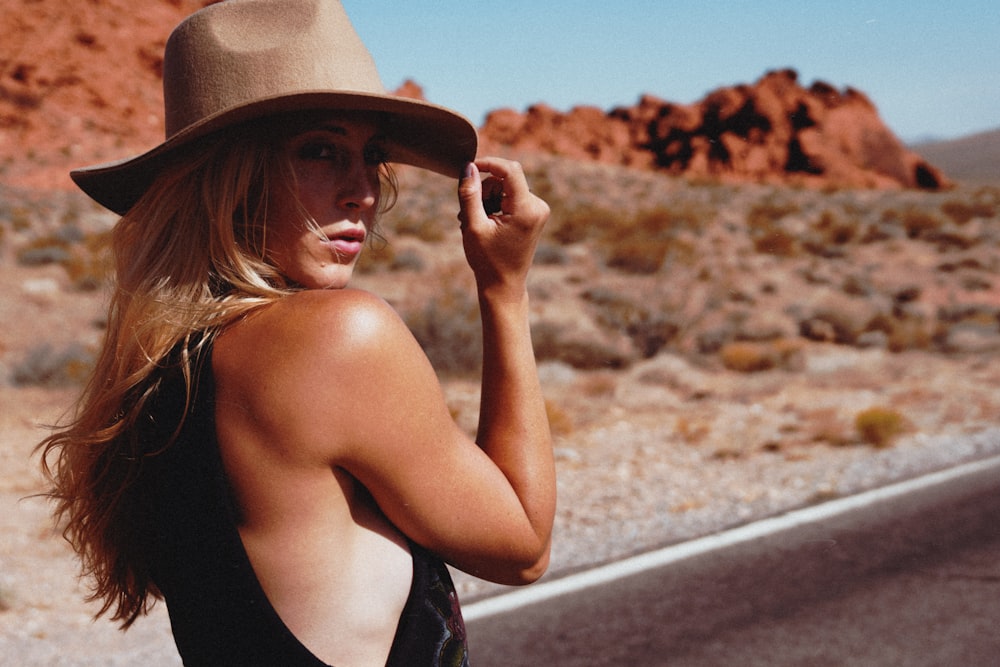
334 129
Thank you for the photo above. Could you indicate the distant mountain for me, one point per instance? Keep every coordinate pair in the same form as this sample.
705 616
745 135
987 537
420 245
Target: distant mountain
971 159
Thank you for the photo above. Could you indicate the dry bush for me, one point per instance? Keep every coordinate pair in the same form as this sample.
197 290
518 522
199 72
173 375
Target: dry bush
920 224
909 334
826 425
753 357
775 241
428 230
560 421
43 250
746 357
447 326
45 367
580 225
85 257
767 214
961 212
643 244
692 432
599 385
90 264
378 255
836 230
550 254
650 327
766 232
551 343
879 426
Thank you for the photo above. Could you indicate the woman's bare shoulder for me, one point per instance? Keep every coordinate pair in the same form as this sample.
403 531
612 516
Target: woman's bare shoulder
315 317
311 335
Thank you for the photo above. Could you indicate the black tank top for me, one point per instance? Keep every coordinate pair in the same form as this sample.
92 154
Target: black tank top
218 611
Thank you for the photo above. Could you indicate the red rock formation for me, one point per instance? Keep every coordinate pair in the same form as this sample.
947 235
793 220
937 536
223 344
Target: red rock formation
773 131
80 83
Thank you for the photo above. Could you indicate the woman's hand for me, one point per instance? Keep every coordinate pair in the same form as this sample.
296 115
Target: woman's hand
501 223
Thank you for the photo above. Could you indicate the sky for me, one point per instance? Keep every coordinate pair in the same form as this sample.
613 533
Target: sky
932 68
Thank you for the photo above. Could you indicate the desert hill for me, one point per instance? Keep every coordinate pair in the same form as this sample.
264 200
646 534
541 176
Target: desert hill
972 159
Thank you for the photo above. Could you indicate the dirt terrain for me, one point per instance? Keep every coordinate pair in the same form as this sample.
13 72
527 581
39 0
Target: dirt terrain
730 383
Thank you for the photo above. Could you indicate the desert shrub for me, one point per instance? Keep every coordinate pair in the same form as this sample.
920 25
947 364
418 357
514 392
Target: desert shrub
408 260
550 254
746 357
775 241
42 251
379 254
909 334
551 343
425 228
752 356
560 421
766 232
580 225
20 218
691 432
448 329
962 212
642 244
767 214
650 329
599 385
879 426
637 255
90 263
918 223
46 367
85 257
826 425
835 229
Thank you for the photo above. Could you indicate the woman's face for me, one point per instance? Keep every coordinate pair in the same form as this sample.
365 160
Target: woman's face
335 162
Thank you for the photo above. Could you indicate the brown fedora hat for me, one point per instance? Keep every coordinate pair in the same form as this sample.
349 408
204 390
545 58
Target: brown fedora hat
240 60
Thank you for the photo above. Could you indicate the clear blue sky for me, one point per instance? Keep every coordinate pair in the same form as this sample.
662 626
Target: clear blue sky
931 67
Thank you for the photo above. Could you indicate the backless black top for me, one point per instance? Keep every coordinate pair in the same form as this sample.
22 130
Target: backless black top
218 611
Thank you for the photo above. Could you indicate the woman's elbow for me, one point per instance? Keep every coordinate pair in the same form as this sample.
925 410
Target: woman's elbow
525 570
533 573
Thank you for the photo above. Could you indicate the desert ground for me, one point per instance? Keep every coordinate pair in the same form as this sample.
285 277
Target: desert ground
759 348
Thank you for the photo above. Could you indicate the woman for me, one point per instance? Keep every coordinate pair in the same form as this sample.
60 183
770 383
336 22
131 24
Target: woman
262 447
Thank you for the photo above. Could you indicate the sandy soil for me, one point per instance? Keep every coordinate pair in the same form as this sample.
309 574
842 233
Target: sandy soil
660 453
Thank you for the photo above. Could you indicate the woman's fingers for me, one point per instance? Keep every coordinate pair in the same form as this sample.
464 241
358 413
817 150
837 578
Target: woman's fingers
501 219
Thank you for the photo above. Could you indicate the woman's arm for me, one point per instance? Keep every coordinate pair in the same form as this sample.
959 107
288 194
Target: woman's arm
513 425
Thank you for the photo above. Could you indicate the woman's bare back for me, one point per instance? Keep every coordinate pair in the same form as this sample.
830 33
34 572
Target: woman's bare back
333 567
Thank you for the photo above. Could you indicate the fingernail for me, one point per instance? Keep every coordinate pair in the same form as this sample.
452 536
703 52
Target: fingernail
470 170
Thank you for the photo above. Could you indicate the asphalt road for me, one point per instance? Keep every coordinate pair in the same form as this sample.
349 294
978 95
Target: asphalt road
908 575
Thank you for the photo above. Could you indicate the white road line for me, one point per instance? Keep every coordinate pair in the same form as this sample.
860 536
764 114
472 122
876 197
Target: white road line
654 559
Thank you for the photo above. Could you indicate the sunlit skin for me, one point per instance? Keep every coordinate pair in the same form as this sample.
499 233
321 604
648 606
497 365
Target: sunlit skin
336 167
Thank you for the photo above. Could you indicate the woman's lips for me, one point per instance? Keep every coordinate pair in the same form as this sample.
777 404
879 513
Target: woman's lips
348 243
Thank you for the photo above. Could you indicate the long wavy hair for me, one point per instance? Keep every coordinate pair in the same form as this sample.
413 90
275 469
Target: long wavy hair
189 258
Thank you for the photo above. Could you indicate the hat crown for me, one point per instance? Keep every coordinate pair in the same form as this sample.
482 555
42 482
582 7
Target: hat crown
239 52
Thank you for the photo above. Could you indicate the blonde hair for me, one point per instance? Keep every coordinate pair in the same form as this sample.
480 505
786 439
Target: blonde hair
190 258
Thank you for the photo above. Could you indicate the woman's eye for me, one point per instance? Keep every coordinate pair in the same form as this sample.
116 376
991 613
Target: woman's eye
376 155
319 150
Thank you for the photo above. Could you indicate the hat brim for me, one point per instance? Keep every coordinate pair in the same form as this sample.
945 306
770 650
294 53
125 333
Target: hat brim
417 133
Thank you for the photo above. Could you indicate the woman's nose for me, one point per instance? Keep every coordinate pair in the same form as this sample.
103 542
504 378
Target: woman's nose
359 189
